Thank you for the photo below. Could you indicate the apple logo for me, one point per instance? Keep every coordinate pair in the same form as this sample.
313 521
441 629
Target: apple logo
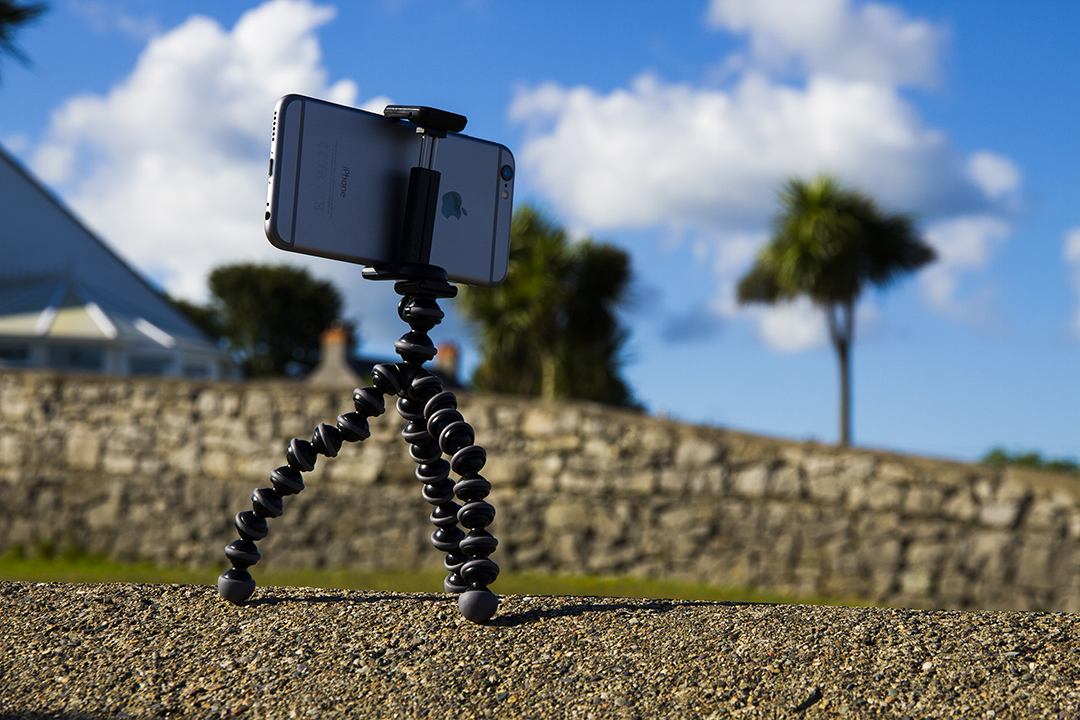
451 205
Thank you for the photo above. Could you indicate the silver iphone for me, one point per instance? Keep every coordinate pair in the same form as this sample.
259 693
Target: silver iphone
338 180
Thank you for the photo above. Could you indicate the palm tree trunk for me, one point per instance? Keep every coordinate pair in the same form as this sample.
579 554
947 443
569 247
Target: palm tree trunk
844 351
547 375
841 331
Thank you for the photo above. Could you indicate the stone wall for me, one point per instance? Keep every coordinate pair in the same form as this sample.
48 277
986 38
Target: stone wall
155 469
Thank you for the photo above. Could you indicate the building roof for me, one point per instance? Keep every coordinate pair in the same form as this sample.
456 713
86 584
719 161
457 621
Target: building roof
59 280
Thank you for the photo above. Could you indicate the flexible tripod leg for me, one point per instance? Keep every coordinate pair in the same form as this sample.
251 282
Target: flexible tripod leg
236 584
436 427
431 470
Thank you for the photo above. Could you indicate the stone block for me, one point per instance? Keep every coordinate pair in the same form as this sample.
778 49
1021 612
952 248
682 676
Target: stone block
857 497
1049 513
1037 564
926 555
82 448
550 444
119 462
857 468
786 482
583 483
611 560
891 471
215 463
673 480
540 422
601 451
566 515
989 555
599 426
885 495
1000 514
643 482
823 481
508 418
708 481
960 505
150 466
696 452
545 472
750 482
506 471
15 406
983 489
655 442
183 458
565 550
1015 484
13 450
106 514
923 498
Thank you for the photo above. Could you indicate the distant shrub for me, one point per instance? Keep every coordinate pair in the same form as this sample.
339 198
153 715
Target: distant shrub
1000 457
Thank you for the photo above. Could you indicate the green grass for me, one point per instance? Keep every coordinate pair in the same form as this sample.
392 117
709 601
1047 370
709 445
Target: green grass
77 568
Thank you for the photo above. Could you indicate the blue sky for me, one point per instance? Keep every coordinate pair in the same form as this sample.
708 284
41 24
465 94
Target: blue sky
664 128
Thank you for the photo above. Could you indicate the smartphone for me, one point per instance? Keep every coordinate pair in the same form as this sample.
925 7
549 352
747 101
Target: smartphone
338 181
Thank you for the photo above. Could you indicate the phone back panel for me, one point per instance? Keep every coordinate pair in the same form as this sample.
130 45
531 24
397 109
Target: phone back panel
338 182
472 225
341 176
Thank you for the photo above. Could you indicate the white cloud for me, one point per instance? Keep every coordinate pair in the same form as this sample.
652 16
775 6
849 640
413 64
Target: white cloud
1071 252
103 18
170 164
800 325
869 41
792 326
996 175
662 153
963 244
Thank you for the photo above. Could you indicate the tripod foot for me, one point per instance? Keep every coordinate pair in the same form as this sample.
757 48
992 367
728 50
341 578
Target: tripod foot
235 586
478 605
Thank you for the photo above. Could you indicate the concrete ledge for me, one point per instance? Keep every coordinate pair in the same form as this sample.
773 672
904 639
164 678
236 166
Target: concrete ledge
142 651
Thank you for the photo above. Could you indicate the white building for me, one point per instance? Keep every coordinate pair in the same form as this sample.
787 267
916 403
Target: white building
68 302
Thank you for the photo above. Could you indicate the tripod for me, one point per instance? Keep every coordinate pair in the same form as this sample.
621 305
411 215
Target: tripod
434 426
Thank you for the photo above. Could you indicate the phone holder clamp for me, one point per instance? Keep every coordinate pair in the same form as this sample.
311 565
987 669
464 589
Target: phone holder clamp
422 200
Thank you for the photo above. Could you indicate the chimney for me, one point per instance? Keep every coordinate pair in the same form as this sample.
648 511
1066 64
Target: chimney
333 369
446 363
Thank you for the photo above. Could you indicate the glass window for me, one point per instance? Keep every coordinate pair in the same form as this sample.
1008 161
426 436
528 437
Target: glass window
76 358
14 356
196 370
149 364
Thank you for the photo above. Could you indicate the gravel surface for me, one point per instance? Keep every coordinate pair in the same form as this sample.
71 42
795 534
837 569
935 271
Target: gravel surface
143 651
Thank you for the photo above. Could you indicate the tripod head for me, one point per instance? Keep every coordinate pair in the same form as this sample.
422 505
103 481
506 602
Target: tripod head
430 121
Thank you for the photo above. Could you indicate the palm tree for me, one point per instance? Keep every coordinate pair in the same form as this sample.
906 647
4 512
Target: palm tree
12 18
828 243
551 329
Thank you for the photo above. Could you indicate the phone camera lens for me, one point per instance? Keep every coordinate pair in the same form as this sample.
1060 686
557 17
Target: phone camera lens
506 172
